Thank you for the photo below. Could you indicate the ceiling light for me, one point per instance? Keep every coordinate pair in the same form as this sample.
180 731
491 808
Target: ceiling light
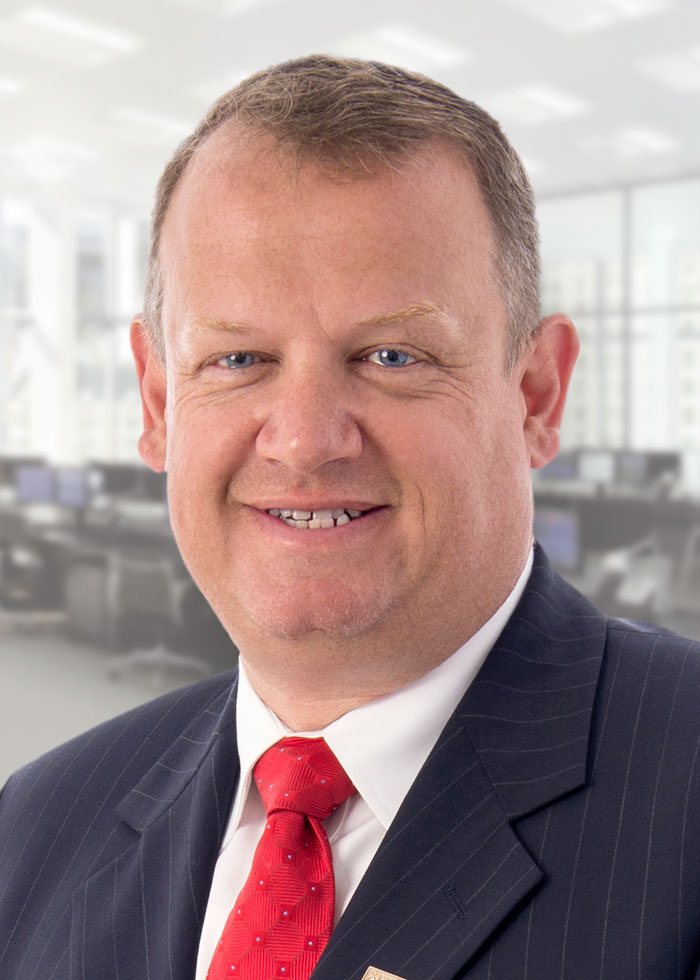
634 141
533 104
53 20
638 141
53 34
49 159
238 6
427 47
10 86
403 45
168 125
37 147
679 70
575 16
224 7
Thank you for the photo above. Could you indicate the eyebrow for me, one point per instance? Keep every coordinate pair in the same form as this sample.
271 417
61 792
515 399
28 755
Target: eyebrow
392 316
398 316
216 323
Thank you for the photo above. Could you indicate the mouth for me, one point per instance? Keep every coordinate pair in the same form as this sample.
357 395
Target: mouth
316 520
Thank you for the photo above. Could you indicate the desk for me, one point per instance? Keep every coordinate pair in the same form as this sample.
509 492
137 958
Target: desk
74 567
660 539
88 560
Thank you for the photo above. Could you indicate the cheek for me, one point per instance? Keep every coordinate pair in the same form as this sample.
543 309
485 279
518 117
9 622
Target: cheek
206 434
474 463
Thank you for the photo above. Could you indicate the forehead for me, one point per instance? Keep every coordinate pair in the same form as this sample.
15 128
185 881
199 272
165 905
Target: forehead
245 207
250 168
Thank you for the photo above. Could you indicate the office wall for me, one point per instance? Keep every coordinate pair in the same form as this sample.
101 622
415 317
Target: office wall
600 97
94 98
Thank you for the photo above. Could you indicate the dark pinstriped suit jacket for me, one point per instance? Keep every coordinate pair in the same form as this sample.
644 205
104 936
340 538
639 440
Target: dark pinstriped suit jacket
553 833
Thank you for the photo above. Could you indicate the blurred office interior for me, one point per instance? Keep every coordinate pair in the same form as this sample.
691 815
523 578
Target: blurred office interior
602 100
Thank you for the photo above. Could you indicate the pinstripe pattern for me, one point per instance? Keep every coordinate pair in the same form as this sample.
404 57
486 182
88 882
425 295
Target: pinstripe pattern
83 895
553 833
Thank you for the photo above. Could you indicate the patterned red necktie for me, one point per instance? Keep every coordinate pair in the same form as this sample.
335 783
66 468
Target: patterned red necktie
283 918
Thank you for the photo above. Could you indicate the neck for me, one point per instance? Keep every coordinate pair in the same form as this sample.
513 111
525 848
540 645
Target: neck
309 683
310 712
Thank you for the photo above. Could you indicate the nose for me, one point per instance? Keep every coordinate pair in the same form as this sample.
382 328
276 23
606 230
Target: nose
309 423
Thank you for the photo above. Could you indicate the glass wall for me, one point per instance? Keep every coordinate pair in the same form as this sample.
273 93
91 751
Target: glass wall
625 264
70 281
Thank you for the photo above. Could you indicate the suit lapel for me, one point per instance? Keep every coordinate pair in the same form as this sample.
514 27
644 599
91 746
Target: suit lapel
448 871
451 867
146 907
529 710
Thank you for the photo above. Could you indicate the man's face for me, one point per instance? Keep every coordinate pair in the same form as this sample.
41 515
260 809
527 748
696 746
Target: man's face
337 344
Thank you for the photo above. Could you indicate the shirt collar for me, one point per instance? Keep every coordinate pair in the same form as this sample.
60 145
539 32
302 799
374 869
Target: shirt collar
380 745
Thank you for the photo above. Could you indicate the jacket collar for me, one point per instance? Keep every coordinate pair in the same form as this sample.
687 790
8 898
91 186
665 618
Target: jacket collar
164 783
146 905
528 712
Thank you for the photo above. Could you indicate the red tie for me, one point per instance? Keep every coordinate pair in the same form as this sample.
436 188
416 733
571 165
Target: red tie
283 918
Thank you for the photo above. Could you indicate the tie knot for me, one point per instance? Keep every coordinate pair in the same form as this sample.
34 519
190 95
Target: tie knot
303 775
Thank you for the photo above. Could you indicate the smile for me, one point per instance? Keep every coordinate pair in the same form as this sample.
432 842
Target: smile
316 520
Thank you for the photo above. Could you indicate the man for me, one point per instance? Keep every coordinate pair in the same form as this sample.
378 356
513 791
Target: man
344 374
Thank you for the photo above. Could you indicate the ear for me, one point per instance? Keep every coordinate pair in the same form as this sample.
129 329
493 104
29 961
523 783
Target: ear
152 385
546 368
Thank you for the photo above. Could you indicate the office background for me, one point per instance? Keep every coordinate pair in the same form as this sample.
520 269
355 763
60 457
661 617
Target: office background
602 100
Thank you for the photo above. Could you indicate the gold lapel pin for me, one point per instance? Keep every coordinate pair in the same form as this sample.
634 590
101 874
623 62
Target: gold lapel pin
372 973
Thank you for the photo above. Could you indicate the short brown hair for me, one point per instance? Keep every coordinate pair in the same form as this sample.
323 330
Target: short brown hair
354 115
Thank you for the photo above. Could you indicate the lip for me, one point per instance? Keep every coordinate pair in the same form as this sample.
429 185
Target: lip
316 504
357 529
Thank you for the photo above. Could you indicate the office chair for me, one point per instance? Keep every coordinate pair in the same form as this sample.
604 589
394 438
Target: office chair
146 599
689 576
676 537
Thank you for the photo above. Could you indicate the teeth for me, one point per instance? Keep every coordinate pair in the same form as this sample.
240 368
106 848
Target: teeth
315 520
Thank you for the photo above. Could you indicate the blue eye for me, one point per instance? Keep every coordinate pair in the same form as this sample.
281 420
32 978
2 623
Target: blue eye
391 357
239 359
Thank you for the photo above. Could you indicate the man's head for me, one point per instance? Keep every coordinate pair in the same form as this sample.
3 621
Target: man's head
356 117
347 453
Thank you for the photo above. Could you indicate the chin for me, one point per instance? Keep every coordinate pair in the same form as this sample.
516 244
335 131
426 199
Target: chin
332 612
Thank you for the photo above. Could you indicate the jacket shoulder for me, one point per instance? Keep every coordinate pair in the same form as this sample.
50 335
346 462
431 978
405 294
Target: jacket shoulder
649 694
652 645
113 756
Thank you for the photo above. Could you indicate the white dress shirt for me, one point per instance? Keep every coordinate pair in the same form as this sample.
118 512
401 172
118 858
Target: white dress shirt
381 745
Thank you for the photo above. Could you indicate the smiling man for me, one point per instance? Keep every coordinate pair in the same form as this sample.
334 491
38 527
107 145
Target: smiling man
437 759
336 342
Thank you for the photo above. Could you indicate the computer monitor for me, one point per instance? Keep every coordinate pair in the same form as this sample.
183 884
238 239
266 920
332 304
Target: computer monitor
664 462
114 479
72 487
596 466
10 464
632 469
558 530
564 466
34 484
152 486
